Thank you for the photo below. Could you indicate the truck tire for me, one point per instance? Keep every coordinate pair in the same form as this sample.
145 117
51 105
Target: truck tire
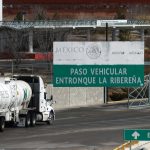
27 120
33 119
2 124
51 118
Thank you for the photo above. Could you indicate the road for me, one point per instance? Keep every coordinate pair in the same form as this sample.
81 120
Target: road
90 128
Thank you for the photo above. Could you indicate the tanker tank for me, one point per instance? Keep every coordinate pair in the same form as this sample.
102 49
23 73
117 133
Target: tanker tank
14 93
24 93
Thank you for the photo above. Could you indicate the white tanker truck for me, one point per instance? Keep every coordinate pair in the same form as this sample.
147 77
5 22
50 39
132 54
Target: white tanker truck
23 101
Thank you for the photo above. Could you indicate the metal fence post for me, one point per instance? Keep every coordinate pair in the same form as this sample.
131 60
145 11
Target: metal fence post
149 89
12 67
128 98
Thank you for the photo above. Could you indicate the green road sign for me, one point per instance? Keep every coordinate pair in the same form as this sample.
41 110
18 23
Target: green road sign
137 134
98 75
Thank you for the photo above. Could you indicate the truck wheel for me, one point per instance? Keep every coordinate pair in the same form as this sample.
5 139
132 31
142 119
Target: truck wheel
33 119
2 124
27 120
50 118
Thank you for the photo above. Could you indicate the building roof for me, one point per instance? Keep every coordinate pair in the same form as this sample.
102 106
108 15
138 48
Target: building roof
73 1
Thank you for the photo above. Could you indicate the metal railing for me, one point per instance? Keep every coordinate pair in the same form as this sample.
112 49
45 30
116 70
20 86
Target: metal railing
66 23
48 24
139 97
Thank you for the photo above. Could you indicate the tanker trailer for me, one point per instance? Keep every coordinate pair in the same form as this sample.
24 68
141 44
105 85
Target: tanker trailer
14 97
23 102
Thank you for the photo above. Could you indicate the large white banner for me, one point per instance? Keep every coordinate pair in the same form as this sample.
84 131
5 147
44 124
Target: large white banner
99 53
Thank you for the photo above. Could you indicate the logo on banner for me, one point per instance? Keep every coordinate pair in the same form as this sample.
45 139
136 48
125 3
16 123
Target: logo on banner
93 52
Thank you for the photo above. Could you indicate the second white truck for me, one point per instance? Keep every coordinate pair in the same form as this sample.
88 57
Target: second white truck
23 101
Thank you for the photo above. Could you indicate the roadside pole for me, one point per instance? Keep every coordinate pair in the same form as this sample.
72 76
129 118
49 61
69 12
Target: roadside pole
105 88
149 89
130 145
12 67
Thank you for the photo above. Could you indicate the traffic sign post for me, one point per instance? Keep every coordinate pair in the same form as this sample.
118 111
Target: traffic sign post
137 134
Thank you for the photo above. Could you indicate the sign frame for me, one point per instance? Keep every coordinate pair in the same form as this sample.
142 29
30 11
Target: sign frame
71 59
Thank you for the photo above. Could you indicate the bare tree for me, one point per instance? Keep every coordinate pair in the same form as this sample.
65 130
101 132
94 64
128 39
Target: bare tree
39 13
15 41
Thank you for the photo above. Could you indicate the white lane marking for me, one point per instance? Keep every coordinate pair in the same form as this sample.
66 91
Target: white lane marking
67 118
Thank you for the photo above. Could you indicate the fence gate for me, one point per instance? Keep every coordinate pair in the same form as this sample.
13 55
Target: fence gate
139 97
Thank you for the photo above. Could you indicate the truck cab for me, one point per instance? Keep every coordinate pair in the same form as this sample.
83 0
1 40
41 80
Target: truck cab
39 102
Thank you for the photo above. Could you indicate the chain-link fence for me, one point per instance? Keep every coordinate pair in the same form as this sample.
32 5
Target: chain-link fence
27 67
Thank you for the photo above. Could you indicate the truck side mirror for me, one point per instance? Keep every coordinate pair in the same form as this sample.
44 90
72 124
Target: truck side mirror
45 95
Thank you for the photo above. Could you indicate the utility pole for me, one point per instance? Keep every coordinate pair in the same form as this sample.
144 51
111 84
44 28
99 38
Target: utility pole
105 88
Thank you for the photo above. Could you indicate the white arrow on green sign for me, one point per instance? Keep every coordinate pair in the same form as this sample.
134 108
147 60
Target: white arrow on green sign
137 134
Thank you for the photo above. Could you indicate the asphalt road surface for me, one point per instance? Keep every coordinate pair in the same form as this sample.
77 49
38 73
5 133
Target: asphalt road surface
91 128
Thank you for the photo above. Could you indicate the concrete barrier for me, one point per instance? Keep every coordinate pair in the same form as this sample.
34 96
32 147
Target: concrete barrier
73 97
